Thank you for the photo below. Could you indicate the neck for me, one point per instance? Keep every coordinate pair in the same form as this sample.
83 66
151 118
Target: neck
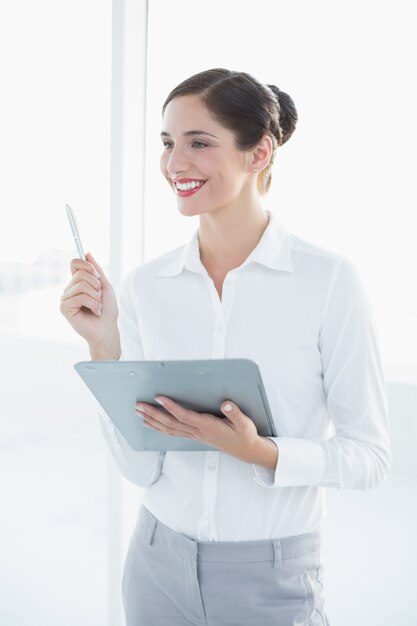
227 237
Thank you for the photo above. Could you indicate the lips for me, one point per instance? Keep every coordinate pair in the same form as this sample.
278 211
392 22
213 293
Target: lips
183 193
189 180
188 192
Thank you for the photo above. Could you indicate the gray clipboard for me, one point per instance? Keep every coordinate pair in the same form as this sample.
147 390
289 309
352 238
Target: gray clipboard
199 385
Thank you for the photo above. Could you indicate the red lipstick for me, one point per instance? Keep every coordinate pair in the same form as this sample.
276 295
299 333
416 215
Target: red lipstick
188 192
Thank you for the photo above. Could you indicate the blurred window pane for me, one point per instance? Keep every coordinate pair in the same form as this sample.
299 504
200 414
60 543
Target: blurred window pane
55 149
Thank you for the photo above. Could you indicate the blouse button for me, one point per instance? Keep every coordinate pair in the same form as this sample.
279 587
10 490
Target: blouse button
212 466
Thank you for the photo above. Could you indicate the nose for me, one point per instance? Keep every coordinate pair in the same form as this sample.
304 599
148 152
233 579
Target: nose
177 161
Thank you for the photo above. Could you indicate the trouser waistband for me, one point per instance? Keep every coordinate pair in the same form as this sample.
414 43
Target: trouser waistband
276 550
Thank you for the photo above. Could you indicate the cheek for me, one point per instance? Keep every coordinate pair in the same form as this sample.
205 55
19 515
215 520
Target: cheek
164 162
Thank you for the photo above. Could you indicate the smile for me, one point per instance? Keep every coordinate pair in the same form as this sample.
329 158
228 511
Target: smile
189 188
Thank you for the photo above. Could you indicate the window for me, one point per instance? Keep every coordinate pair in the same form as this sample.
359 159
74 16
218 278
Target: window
55 148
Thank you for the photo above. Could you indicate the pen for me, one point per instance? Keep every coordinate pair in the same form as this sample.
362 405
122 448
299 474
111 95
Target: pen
74 229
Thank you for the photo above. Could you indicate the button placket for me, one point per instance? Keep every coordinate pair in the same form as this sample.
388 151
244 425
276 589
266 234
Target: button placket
206 526
227 296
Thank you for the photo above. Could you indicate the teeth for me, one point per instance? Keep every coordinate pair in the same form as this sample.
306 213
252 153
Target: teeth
187 186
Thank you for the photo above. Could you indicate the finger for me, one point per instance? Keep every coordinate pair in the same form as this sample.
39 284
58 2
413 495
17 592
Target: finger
74 304
99 269
238 420
160 417
86 275
81 287
173 432
80 264
234 414
80 276
182 414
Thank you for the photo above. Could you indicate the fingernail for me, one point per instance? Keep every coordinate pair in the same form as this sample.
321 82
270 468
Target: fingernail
96 274
227 407
159 401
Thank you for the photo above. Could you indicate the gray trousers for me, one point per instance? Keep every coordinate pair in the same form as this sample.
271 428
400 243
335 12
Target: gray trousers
170 579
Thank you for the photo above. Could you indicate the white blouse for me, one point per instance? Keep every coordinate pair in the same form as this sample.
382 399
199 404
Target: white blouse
301 312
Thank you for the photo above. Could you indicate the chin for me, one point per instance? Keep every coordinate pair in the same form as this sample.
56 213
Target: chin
189 210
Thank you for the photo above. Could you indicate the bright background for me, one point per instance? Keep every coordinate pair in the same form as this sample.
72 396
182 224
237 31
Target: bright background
343 181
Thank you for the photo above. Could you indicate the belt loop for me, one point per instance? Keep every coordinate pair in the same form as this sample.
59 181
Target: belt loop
151 531
277 554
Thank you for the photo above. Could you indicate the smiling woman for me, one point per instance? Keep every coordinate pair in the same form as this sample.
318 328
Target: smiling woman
228 99
222 175
240 288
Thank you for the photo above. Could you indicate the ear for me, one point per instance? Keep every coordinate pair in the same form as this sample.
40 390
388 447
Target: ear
261 155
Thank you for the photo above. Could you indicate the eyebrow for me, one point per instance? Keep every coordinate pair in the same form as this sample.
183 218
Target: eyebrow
190 132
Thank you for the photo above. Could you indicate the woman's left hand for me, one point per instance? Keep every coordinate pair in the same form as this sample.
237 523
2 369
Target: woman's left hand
235 434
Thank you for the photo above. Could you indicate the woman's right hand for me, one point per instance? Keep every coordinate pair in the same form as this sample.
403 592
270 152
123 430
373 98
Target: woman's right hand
90 306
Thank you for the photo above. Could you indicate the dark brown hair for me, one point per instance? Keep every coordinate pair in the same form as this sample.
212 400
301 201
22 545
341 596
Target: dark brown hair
245 106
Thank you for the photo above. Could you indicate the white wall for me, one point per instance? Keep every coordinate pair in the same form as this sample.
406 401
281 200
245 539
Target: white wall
369 548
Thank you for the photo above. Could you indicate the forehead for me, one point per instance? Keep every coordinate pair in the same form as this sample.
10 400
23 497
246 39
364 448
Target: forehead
188 112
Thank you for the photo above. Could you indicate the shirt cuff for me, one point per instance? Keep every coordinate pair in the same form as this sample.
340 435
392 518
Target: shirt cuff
301 462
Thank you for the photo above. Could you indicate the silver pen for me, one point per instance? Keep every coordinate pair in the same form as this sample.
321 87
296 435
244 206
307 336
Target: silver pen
76 235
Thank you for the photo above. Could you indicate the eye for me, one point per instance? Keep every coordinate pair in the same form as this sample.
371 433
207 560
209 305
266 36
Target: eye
196 143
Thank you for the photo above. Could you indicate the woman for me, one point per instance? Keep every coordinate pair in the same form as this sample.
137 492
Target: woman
232 536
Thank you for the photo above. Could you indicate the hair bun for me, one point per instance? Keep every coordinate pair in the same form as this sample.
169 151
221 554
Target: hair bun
288 113
274 89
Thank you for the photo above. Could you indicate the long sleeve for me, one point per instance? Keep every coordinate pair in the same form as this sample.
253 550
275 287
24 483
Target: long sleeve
141 468
358 456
